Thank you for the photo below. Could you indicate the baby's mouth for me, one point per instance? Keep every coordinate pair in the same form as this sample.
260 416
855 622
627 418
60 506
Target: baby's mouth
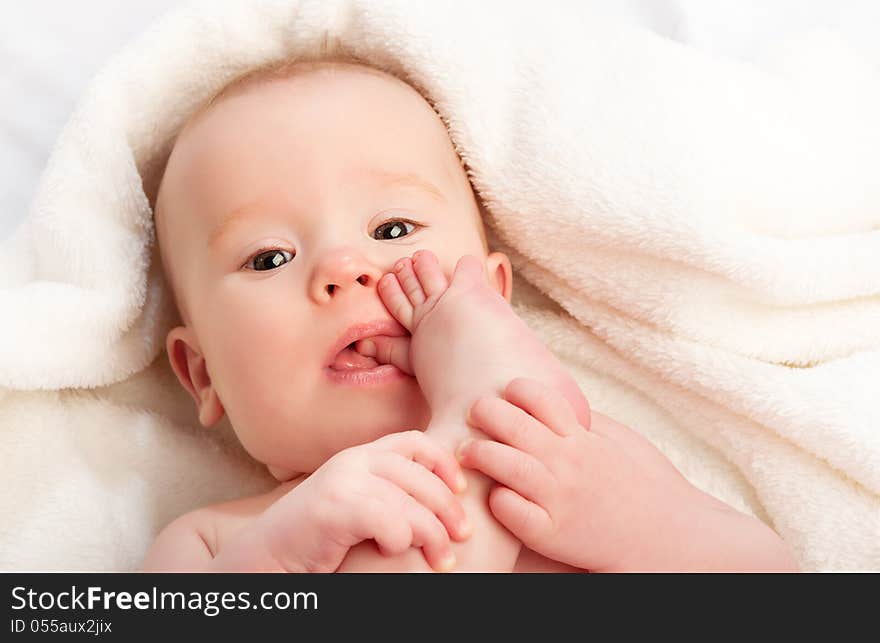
348 359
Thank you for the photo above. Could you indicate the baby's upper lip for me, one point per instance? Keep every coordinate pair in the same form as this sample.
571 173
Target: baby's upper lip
360 331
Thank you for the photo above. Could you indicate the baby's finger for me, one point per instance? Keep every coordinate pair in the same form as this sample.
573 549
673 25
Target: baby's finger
543 403
403 523
370 519
511 467
526 520
430 535
510 424
426 488
387 350
417 446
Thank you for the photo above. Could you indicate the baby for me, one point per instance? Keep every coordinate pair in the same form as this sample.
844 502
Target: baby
339 303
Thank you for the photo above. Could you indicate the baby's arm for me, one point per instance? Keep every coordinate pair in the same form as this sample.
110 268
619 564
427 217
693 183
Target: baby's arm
710 536
397 490
605 499
190 544
180 547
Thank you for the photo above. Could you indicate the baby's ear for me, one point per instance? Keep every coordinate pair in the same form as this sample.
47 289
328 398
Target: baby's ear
191 369
500 274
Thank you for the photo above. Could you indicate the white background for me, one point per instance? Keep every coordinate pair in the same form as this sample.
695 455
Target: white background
50 49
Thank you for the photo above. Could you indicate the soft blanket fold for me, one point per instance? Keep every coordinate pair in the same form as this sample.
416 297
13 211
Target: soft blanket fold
697 238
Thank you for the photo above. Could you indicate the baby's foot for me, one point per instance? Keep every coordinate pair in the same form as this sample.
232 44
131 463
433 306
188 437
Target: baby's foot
466 339
466 343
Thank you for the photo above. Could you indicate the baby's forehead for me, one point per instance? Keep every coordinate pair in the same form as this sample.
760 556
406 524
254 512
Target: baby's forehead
288 80
319 103
212 133
365 101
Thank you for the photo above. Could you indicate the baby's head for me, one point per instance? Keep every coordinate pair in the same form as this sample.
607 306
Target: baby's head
283 202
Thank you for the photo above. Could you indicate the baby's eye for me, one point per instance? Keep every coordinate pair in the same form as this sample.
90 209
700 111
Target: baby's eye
269 260
394 229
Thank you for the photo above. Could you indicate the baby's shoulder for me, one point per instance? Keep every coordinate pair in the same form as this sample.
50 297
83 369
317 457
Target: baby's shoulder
190 541
224 518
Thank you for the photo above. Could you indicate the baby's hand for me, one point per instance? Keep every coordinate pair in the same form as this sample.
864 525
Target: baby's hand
397 490
593 499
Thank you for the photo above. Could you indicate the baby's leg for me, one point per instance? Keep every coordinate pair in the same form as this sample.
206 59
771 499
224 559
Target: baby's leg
467 342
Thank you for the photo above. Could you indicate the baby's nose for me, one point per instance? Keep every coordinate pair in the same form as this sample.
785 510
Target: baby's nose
341 271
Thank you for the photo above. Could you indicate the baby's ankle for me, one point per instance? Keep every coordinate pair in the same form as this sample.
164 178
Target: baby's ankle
451 430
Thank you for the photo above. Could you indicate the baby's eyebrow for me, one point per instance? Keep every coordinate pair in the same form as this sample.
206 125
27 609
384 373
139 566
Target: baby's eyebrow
387 178
407 179
230 219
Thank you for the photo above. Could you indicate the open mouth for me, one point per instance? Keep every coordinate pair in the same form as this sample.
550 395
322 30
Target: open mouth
348 359
350 368
344 365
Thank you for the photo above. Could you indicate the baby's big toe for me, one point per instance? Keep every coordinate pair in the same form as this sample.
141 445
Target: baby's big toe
387 350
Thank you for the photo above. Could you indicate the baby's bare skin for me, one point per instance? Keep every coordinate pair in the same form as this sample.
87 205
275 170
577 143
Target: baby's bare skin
322 184
466 343
198 535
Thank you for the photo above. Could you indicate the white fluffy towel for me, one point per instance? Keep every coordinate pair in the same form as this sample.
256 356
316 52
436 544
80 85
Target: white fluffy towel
697 238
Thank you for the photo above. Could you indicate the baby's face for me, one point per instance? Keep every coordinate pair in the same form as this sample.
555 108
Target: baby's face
280 209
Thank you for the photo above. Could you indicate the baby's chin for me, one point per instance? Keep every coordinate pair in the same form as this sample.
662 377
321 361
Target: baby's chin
363 416
363 435
282 474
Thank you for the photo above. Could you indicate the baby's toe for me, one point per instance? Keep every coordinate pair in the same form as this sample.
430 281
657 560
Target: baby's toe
395 300
387 350
409 282
429 272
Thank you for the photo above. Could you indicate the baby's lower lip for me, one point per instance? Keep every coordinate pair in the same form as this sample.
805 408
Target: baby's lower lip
382 374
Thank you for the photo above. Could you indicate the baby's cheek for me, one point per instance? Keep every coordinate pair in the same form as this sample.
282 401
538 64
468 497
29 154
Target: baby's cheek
262 407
